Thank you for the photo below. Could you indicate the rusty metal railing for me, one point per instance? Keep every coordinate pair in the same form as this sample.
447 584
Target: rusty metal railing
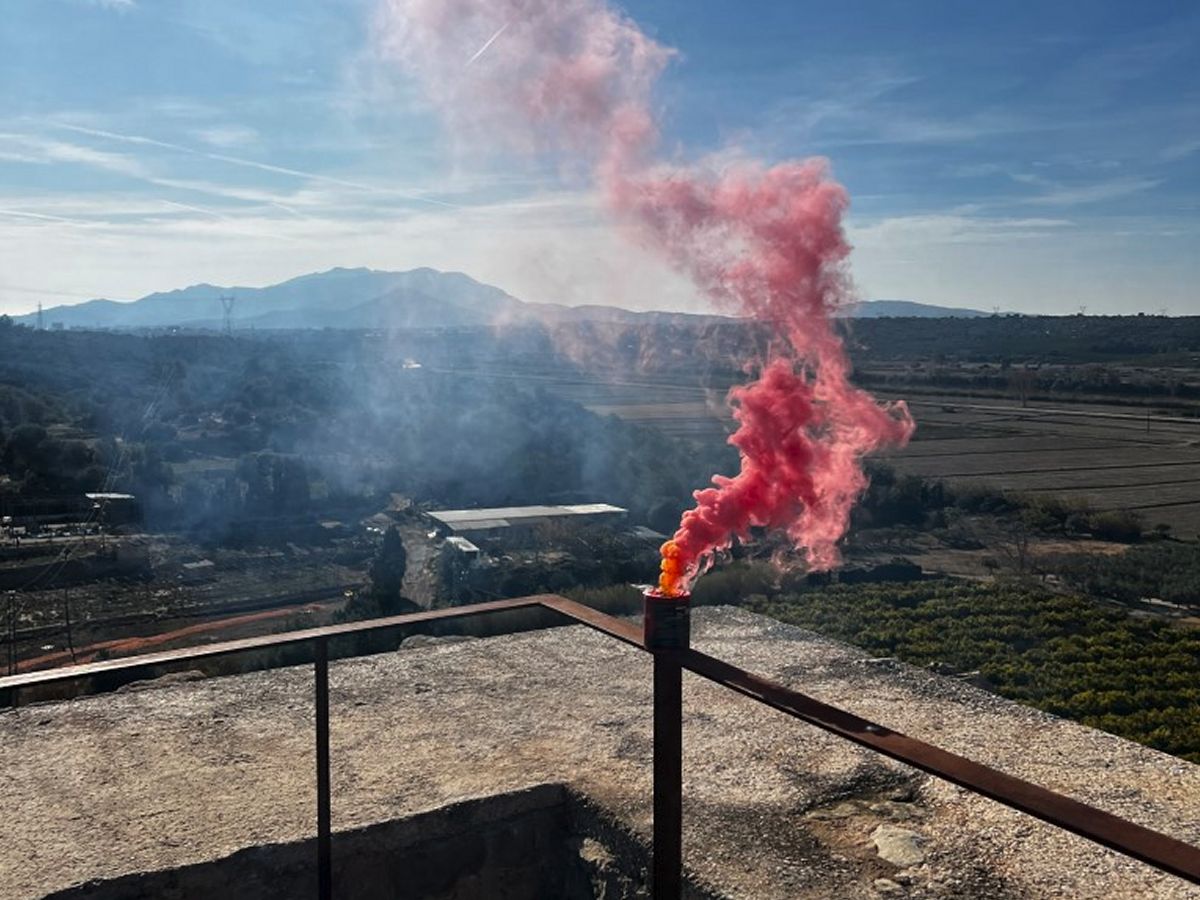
1158 850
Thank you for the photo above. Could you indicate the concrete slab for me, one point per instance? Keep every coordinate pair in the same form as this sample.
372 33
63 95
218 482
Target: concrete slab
175 775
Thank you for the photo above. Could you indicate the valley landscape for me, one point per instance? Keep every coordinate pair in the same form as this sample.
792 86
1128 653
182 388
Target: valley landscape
596 450
262 498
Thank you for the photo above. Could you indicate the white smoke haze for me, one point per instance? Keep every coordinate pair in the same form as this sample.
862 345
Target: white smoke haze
566 77
555 248
759 240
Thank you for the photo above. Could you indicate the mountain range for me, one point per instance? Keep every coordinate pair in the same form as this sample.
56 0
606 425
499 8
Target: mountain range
368 298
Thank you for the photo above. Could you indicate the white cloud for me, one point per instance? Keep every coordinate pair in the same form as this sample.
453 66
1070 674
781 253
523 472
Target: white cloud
43 150
550 248
848 108
36 216
16 156
1097 192
1180 150
38 150
199 209
1033 265
974 170
227 136
950 228
558 247
250 163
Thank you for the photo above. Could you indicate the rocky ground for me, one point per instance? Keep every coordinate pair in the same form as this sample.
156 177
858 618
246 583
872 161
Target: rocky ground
169 775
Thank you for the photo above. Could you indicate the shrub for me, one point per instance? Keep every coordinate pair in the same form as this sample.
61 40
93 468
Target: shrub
1120 525
1134 677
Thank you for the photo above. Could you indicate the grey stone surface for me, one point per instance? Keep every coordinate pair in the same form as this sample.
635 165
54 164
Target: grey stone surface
899 846
160 778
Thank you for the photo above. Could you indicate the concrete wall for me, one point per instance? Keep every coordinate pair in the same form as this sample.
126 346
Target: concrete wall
540 843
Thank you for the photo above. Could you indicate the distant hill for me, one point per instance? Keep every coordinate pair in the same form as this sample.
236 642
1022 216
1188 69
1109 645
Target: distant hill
879 309
367 298
340 298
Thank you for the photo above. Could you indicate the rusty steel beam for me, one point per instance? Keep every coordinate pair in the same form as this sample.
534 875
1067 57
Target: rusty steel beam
1154 848
1159 850
263 642
667 854
622 630
324 792
666 631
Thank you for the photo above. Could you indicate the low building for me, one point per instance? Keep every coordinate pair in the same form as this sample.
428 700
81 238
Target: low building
116 509
462 547
197 571
511 520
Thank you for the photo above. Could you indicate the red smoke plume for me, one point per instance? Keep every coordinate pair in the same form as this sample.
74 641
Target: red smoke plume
574 77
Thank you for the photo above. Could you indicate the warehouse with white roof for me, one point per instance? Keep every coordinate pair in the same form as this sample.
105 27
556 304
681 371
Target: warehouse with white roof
497 521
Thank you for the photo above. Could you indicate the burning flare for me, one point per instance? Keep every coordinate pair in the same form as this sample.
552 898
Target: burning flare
671 571
574 77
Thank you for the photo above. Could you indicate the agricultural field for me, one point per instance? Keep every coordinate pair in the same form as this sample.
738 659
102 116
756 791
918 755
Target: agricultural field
1127 675
1105 456
1110 456
679 406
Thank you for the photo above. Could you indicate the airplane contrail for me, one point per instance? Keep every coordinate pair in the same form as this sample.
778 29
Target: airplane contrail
249 163
288 209
487 43
274 235
199 209
40 217
21 289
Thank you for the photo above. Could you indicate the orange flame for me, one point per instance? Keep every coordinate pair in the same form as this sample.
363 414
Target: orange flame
671 575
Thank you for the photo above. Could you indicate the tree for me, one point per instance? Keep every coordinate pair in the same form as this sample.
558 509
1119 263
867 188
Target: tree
25 442
383 598
1016 544
1120 525
387 572
275 483
1022 383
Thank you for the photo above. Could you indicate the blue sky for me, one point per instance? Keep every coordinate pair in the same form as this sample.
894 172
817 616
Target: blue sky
1038 157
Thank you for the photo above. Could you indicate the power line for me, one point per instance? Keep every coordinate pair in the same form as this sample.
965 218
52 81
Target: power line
227 302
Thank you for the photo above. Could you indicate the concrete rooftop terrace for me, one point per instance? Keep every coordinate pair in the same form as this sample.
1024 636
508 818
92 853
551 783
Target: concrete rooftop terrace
178 774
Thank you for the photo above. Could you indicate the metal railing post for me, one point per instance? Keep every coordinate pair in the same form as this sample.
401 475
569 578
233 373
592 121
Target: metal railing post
668 776
12 647
324 825
666 633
